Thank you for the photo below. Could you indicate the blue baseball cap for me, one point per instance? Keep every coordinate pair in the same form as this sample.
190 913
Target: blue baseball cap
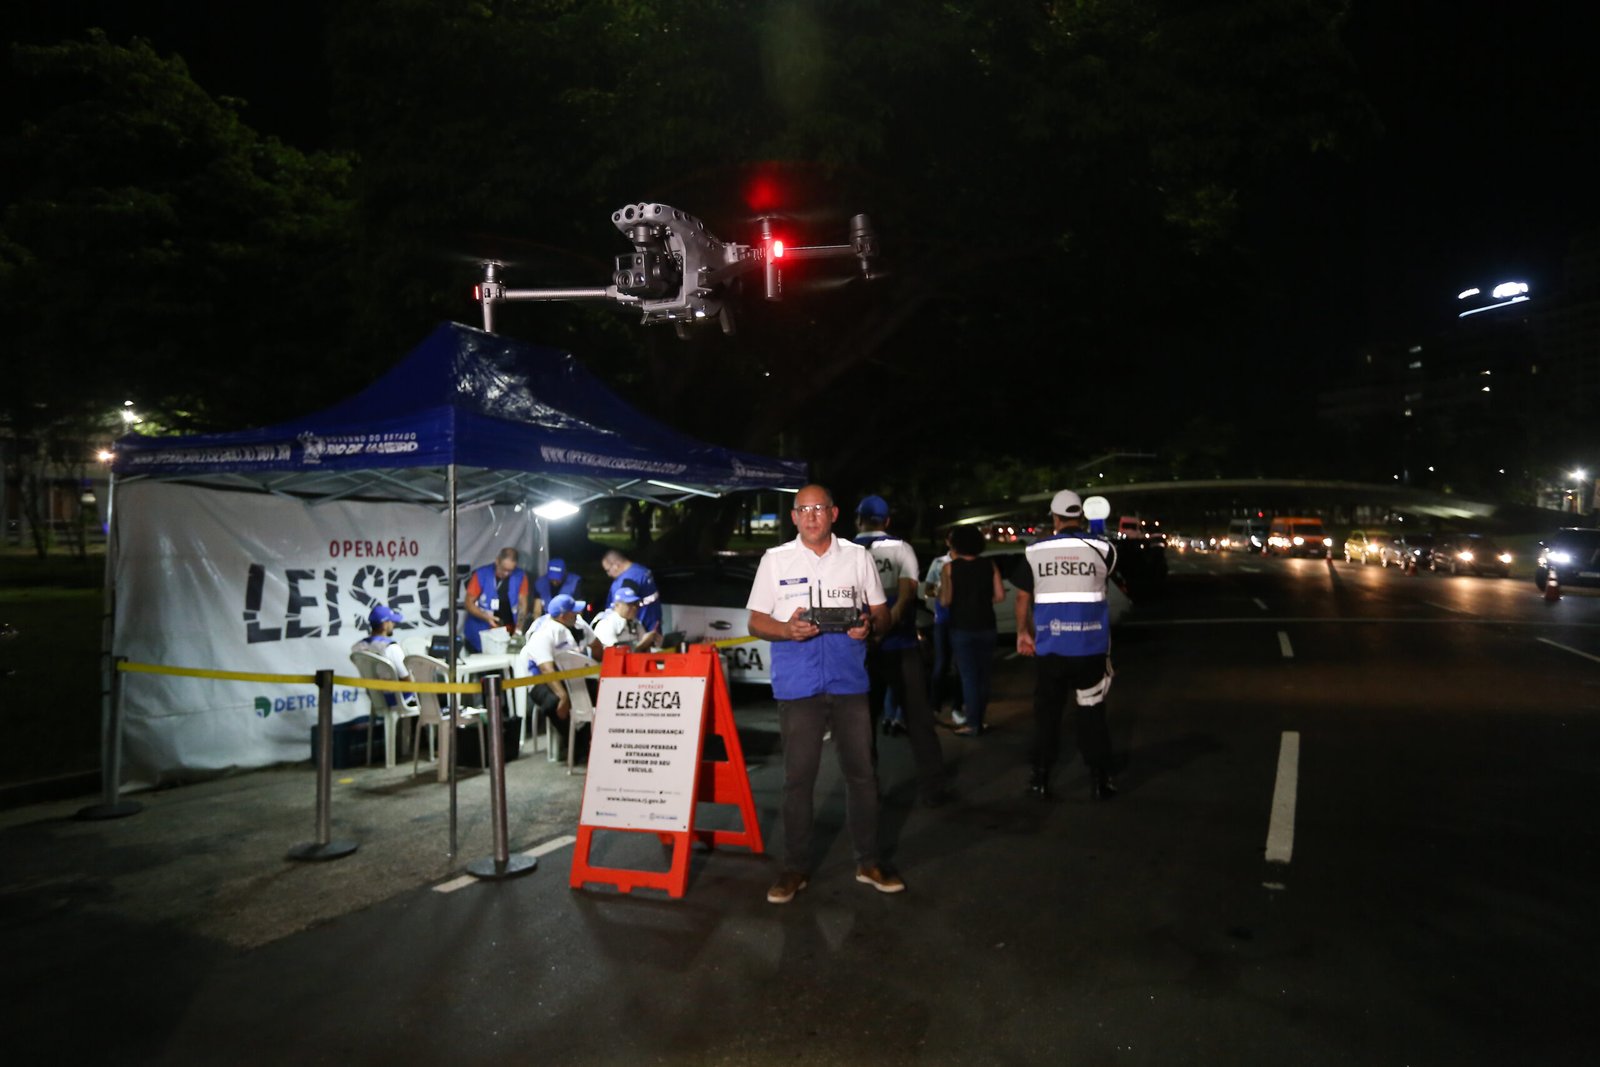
562 604
873 507
384 613
627 594
557 569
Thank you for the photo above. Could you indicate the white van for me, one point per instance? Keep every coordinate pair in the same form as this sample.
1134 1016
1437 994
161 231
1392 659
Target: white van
1245 535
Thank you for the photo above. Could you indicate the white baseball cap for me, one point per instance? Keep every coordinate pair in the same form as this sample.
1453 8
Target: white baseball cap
1067 504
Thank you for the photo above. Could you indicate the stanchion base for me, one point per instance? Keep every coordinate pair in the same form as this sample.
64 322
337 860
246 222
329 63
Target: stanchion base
489 869
314 852
120 810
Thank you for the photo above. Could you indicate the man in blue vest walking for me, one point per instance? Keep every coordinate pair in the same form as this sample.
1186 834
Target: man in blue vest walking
1064 624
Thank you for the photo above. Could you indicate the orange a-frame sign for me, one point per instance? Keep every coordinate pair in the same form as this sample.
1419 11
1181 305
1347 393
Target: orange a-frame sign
714 781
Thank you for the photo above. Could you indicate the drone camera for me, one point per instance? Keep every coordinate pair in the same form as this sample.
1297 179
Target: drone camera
648 274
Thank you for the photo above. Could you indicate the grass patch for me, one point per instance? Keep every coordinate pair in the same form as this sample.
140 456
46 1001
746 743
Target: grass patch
50 688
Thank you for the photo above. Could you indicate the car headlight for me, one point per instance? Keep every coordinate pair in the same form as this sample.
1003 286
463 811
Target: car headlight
1299 540
1465 556
1328 542
1505 557
1560 557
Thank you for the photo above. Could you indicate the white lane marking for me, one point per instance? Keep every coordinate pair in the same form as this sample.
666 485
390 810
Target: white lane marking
1262 604
538 850
1470 620
1284 646
1251 570
1569 648
1446 607
1280 831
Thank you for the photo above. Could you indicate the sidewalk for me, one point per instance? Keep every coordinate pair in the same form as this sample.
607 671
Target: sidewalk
210 857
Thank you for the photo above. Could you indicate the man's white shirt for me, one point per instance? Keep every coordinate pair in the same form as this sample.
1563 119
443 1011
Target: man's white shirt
611 629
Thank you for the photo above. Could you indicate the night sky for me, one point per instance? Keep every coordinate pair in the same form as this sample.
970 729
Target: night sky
1482 172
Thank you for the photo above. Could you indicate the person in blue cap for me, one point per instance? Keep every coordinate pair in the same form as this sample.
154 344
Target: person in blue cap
555 580
894 662
381 622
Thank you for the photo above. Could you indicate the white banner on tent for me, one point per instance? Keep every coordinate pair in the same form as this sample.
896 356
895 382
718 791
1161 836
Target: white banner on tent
267 584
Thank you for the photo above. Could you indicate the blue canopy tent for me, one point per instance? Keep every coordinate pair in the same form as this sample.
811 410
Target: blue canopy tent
467 419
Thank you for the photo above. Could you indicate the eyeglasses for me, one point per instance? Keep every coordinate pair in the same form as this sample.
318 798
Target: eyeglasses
812 509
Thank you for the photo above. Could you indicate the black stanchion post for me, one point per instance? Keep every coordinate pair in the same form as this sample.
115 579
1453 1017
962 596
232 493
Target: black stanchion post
111 805
502 864
323 848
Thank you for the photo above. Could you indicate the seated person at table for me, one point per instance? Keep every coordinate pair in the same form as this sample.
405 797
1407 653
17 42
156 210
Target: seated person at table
619 625
552 633
381 620
497 596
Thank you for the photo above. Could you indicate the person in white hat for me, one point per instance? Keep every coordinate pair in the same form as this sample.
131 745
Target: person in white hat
1064 624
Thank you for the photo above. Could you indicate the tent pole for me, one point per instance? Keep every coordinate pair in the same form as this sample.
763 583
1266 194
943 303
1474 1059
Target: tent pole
455 698
111 806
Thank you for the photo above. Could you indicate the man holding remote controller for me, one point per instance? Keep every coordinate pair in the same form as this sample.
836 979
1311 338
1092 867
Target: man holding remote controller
818 599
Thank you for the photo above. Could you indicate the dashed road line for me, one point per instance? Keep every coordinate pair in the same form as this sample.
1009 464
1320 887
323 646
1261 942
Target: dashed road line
1251 570
1284 646
1262 604
1280 830
1447 607
535 852
1569 648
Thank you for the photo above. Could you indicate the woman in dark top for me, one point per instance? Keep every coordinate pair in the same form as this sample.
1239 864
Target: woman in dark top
970 588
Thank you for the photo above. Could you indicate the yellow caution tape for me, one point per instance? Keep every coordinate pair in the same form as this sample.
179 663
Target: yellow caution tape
381 684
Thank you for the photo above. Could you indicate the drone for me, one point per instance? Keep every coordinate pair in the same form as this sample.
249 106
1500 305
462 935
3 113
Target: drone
679 273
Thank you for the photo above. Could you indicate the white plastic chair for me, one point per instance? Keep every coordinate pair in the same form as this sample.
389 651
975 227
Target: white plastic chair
430 713
578 694
376 667
519 703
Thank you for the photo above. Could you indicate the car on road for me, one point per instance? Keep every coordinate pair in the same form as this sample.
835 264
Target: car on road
1298 535
1471 554
1417 549
1244 535
1574 554
1370 546
706 602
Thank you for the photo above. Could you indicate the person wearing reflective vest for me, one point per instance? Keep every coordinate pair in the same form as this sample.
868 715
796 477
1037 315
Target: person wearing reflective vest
624 573
1064 624
497 596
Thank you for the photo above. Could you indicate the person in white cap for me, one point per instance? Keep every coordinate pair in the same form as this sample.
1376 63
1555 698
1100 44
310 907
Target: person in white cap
1064 624
619 624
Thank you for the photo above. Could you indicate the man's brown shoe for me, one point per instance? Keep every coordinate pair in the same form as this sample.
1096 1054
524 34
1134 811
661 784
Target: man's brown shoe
788 884
883 883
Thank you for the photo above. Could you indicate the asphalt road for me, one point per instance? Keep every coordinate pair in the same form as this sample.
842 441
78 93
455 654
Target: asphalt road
1414 886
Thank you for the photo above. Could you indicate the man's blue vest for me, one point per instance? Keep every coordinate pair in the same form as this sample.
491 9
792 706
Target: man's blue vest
1071 616
486 594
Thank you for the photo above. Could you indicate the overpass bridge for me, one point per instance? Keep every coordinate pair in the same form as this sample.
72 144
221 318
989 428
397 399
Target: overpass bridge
1208 505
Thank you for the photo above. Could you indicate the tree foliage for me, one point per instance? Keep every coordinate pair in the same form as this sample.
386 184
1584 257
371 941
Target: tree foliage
157 247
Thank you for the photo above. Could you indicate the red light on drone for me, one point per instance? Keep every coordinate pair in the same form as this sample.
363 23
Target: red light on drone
777 249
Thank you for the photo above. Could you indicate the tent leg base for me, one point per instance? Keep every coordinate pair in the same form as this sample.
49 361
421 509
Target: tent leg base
120 810
314 852
490 870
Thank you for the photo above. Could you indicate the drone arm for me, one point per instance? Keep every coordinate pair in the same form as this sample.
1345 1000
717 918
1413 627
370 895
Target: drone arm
608 292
